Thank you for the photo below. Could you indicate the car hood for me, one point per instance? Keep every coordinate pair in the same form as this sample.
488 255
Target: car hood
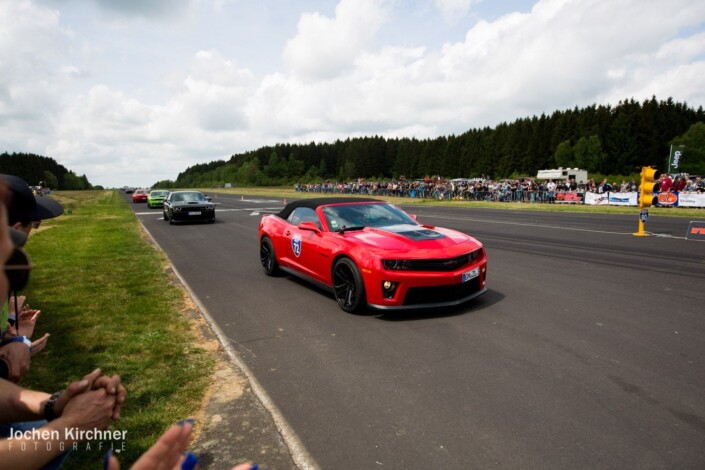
415 241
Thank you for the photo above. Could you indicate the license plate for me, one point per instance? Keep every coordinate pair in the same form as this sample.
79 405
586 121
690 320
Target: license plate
472 274
194 213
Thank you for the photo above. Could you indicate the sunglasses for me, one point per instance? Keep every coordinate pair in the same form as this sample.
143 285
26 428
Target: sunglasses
17 269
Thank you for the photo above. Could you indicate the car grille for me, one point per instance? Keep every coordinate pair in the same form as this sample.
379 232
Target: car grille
450 264
441 294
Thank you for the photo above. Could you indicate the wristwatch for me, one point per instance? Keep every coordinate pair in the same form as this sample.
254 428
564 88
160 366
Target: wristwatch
49 413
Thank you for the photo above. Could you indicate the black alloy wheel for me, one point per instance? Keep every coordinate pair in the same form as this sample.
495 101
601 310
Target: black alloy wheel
267 257
348 287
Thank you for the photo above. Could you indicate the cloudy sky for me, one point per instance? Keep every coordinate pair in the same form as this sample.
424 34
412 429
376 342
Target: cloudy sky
129 92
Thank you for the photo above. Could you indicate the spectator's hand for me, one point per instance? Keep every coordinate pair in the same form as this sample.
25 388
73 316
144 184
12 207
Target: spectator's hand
27 320
93 382
39 344
17 357
112 386
89 410
166 454
74 389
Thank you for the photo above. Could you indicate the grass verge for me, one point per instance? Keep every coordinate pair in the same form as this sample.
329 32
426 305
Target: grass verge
108 302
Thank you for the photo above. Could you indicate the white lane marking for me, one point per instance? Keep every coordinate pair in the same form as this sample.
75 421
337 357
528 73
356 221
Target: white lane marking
256 201
255 211
553 227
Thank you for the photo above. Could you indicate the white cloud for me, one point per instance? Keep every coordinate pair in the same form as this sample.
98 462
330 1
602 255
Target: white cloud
124 136
30 81
454 10
562 53
216 92
327 47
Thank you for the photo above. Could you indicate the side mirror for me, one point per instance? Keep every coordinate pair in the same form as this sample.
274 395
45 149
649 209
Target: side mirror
309 226
413 216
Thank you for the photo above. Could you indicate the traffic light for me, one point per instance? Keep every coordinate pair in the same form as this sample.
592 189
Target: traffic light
649 186
647 196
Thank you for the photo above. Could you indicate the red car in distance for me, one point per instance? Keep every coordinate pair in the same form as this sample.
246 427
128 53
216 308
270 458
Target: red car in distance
140 195
370 253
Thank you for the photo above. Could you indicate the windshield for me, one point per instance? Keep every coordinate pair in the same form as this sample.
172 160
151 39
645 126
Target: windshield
159 193
356 216
189 197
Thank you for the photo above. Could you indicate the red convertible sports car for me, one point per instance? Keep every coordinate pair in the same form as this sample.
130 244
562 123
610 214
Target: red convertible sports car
371 253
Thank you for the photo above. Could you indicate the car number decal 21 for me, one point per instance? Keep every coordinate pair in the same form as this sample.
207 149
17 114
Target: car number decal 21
296 245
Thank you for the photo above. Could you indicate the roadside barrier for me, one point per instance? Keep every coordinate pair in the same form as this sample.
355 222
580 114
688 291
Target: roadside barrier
668 199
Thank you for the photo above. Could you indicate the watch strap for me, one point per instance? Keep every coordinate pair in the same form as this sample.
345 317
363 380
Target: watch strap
49 413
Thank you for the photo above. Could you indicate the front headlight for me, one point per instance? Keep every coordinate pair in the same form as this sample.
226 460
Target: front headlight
209 208
396 264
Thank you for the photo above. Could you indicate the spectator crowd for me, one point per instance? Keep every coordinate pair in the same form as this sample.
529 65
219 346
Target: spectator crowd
39 429
486 189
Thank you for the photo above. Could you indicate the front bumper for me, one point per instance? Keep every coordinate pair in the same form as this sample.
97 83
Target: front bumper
416 289
194 215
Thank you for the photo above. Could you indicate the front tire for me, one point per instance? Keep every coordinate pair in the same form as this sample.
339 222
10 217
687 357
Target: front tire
267 257
348 287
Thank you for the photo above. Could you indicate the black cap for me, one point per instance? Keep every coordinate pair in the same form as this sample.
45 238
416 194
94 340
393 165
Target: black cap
24 207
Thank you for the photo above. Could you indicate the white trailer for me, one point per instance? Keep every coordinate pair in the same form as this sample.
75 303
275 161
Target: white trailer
563 174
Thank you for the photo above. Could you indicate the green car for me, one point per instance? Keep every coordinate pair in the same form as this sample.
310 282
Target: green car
156 198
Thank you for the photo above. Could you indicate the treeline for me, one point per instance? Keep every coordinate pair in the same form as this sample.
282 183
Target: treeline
37 170
604 140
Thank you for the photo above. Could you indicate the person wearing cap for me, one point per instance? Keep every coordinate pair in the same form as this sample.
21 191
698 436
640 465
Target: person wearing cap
88 404
25 211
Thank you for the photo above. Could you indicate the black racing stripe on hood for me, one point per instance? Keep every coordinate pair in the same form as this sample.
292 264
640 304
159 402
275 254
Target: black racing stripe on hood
413 232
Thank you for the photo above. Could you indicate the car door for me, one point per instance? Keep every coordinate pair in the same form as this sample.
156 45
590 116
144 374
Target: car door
301 248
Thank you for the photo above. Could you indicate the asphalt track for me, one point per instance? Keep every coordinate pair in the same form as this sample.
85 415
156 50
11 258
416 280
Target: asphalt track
588 351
